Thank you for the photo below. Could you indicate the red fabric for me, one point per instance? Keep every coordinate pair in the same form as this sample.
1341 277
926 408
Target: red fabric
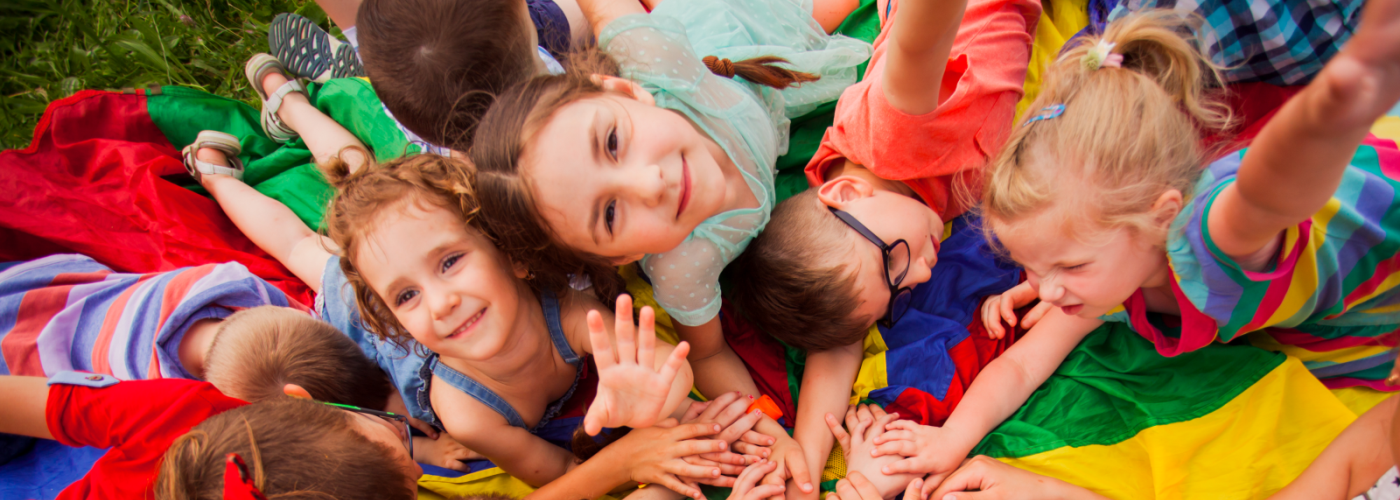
983 80
138 420
969 357
90 183
765 358
1254 104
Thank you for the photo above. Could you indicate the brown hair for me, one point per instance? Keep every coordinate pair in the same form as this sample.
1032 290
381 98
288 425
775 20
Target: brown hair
785 292
1128 133
361 199
293 448
257 351
436 63
508 206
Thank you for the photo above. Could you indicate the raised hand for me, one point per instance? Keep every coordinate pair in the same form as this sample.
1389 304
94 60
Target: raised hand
631 391
864 424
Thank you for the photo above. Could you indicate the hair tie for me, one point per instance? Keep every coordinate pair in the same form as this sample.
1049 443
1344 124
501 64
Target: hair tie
1101 55
237 484
721 67
1046 113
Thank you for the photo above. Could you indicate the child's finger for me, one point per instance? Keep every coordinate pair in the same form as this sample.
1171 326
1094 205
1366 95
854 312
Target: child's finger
596 417
682 468
757 438
733 411
900 435
751 475
863 486
901 448
1035 314
696 410
723 458
753 450
991 318
841 436
1008 310
797 470
911 465
625 332
694 430
765 491
646 337
903 425
738 428
602 346
912 492
720 404
877 428
674 362
677 486
423 427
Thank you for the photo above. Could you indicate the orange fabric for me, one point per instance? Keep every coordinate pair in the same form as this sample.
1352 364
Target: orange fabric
980 88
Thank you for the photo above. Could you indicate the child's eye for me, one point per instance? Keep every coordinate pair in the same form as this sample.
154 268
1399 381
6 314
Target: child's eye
1076 267
609 214
405 296
450 261
612 143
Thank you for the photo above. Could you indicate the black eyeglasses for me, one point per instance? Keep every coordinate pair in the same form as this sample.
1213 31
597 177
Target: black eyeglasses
896 257
398 420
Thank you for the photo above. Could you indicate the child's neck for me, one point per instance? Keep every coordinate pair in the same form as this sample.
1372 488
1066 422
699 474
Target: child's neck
194 346
848 167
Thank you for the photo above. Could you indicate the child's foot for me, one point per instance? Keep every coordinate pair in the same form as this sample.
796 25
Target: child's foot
213 154
261 70
275 80
310 52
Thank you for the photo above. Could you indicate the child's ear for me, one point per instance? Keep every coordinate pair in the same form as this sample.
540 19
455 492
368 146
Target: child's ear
296 391
839 192
519 269
625 87
1166 208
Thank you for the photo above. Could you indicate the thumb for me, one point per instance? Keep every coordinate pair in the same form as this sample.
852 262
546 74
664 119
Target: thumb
595 419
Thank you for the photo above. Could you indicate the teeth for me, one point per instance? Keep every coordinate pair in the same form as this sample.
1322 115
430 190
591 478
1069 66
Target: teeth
470 321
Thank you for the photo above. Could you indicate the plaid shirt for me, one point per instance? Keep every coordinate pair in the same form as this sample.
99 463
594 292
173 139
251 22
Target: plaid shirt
1280 42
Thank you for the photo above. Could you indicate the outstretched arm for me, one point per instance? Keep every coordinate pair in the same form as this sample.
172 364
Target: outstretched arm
995 394
919 45
826 389
273 227
1353 462
602 12
1297 161
25 398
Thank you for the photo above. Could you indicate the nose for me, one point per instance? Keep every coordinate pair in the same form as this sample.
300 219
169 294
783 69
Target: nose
441 303
1049 290
919 272
645 183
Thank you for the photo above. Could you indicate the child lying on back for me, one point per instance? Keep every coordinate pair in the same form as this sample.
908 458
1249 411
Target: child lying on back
883 187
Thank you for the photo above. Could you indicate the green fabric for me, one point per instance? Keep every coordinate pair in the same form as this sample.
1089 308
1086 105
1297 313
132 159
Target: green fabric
1115 384
283 172
807 130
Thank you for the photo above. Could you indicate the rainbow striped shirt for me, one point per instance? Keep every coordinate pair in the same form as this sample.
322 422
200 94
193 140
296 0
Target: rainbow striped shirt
67 312
1333 297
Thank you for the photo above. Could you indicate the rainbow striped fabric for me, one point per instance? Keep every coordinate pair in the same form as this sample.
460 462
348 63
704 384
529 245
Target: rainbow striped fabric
67 312
1333 298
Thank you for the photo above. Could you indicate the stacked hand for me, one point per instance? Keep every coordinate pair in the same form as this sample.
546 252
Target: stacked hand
657 455
748 447
864 426
631 391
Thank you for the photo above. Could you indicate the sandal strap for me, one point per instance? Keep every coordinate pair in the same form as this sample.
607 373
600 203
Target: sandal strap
274 101
205 167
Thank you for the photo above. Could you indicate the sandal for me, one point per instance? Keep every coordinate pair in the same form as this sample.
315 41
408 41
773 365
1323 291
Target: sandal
309 52
218 141
257 68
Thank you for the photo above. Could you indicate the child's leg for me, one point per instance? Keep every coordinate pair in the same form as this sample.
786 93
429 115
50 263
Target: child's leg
271 225
831 13
341 12
324 137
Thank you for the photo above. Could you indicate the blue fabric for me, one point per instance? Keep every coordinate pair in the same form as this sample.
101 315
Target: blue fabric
551 26
488 397
940 310
336 305
46 470
1280 43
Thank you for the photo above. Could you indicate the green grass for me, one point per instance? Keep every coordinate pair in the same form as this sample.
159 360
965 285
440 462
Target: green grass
52 49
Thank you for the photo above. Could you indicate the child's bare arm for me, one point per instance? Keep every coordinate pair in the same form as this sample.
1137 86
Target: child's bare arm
826 389
602 12
1353 462
918 53
273 227
995 394
26 399
653 455
526 456
717 367
1297 161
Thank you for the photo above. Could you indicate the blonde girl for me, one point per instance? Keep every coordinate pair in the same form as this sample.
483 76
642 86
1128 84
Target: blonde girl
1106 197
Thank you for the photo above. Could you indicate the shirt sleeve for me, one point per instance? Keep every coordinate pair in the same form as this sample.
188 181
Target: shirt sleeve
110 416
686 280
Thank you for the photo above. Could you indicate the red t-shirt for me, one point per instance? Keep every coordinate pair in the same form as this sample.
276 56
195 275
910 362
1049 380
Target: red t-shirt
136 419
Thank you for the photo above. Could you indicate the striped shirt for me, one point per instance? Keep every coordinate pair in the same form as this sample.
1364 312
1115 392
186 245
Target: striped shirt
1333 296
67 312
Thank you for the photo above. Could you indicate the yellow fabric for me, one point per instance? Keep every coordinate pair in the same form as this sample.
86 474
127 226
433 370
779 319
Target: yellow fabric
491 481
835 464
1360 399
641 294
1059 20
1388 127
1248 448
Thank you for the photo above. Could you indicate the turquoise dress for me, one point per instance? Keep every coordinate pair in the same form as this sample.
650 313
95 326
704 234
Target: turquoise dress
750 123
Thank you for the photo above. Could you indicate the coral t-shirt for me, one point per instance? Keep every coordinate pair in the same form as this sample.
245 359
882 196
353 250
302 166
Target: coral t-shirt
981 85
138 420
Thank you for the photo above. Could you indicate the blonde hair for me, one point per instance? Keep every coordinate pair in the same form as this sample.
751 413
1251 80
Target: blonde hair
1128 133
257 351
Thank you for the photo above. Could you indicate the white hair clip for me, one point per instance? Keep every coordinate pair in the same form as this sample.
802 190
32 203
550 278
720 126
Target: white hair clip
1101 55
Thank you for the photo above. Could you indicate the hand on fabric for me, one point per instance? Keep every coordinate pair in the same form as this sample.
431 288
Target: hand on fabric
443 452
865 423
792 465
984 478
746 487
1003 307
927 450
657 455
631 391
728 411
856 487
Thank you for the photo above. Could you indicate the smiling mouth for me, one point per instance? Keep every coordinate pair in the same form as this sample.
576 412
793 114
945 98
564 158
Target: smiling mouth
685 187
1072 310
467 326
